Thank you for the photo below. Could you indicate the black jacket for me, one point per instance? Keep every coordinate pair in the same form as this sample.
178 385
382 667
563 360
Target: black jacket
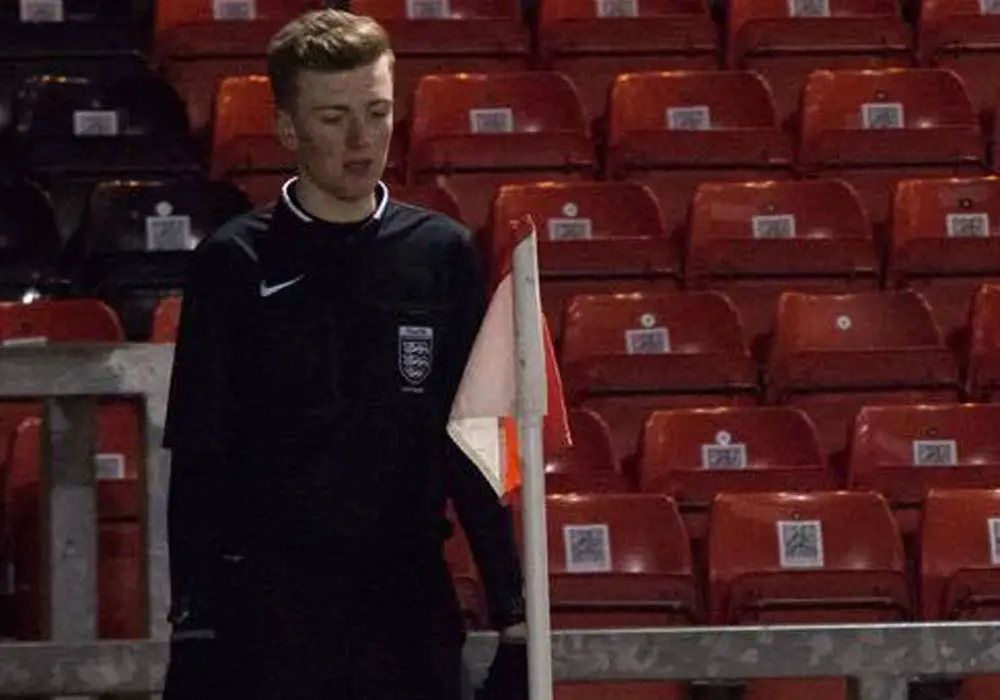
314 371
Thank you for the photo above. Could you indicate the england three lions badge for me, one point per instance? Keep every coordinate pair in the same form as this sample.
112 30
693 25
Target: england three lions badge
416 353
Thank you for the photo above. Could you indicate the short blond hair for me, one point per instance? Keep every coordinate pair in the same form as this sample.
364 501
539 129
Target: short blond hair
323 40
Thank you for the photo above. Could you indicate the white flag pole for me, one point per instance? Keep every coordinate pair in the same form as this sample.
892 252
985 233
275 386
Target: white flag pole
532 396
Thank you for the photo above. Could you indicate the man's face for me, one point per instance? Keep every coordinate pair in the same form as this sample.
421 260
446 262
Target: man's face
340 128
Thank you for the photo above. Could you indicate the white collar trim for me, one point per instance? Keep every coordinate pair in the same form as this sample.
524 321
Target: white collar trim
381 196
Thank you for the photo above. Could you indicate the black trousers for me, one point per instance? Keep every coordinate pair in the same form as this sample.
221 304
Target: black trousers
298 632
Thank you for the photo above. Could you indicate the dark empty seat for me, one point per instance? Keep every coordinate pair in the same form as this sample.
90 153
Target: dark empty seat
29 241
134 245
79 125
92 28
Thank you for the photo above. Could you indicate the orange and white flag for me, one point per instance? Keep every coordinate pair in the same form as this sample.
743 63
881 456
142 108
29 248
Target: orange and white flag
483 421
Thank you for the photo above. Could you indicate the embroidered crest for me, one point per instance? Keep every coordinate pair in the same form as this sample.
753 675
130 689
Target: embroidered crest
416 353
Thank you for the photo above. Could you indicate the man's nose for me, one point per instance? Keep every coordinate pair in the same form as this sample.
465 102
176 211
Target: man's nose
357 133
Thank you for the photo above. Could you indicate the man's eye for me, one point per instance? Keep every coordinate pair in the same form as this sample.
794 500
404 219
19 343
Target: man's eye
332 121
380 113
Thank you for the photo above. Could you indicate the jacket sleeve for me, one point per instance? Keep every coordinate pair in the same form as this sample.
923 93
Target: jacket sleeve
198 425
487 522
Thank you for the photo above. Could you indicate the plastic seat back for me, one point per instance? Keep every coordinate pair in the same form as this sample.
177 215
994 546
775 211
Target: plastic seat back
904 451
755 240
120 602
594 42
198 43
797 689
166 320
784 42
245 147
959 556
89 125
630 690
585 245
618 560
983 373
798 558
626 355
105 31
874 128
454 36
836 353
480 131
946 243
436 197
961 36
676 130
58 321
589 464
29 240
694 454
137 236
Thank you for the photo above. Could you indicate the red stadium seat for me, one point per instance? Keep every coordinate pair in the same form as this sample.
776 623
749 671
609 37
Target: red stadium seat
904 451
779 558
960 36
835 354
118 506
629 690
945 244
960 555
592 42
449 36
626 355
465 575
586 245
196 45
755 240
797 689
478 132
245 148
618 560
589 465
765 36
983 372
875 128
984 687
673 131
166 318
692 455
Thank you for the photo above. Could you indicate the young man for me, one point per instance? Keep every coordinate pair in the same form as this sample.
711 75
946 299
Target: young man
321 342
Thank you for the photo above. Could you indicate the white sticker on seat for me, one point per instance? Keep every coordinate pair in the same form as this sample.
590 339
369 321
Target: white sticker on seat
647 341
935 453
724 453
808 8
95 122
110 466
427 9
42 11
168 233
617 8
989 7
497 120
968 225
588 548
800 544
698 118
566 229
234 10
773 225
993 526
882 115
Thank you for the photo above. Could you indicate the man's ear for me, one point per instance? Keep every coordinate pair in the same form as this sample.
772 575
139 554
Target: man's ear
286 131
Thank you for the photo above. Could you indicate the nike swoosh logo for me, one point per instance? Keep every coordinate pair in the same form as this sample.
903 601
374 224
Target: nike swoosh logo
266 291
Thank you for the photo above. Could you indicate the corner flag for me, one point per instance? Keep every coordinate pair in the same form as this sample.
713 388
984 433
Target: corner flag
483 416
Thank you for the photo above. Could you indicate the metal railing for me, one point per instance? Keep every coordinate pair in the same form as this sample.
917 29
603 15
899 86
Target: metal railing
70 379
